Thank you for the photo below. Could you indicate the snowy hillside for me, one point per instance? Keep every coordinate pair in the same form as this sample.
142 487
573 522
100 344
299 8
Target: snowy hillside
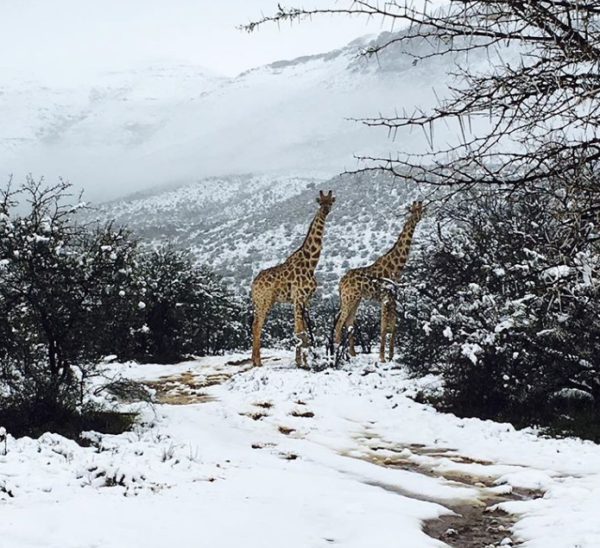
87 132
242 224
158 124
119 108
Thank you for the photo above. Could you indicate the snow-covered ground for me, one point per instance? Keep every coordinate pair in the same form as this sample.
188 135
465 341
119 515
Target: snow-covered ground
277 456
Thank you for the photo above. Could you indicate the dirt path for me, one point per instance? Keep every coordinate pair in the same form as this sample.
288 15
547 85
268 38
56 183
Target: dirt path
476 523
190 386
184 389
473 524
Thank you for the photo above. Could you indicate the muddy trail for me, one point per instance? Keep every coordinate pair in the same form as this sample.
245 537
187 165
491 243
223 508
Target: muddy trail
190 386
477 523
184 389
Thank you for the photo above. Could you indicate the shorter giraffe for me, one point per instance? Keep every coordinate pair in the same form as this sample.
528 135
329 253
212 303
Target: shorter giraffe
373 282
292 281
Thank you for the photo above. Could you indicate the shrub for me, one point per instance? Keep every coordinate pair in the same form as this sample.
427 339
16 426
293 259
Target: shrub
56 279
502 300
72 293
184 310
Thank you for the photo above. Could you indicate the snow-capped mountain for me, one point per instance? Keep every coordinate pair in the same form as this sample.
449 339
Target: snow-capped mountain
120 108
195 136
159 124
93 134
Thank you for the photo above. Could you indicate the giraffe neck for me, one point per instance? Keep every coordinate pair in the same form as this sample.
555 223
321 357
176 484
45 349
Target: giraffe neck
395 259
310 250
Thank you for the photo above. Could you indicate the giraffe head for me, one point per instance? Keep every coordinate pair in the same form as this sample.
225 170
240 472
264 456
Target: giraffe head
416 210
325 201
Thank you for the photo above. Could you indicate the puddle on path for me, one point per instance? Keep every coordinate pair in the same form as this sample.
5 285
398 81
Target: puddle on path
190 386
473 524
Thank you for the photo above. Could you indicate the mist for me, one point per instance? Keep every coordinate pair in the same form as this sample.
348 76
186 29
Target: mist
118 98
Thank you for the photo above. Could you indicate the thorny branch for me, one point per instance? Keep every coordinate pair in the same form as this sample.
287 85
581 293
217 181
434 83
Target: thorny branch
540 93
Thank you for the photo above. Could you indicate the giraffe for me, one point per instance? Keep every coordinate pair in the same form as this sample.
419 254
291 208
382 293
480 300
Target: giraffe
369 282
291 281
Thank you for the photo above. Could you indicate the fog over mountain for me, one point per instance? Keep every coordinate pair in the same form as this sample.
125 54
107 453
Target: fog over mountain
166 124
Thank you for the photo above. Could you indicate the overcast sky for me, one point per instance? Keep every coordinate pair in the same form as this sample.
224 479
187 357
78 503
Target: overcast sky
74 39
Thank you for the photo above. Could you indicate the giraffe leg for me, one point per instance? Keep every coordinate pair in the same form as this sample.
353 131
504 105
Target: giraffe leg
300 332
350 327
339 324
341 321
262 305
260 315
391 322
383 335
346 319
344 310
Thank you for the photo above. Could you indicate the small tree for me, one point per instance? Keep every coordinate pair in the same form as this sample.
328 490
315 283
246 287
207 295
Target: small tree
184 309
56 277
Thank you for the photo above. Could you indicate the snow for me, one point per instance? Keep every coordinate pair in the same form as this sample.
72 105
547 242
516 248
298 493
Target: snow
218 474
159 123
470 350
557 272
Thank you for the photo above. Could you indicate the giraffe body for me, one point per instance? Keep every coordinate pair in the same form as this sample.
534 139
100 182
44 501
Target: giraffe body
292 281
375 282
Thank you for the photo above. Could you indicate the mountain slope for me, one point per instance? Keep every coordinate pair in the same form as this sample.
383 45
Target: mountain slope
252 222
172 124
88 133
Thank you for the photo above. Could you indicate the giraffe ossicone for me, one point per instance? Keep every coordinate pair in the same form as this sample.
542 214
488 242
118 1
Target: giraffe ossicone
292 281
376 282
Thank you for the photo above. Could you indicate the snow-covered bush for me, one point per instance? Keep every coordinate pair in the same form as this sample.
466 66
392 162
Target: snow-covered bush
367 327
56 281
503 300
184 309
72 293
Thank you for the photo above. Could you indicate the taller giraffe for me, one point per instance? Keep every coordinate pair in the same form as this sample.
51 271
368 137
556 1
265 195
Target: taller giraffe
371 282
291 281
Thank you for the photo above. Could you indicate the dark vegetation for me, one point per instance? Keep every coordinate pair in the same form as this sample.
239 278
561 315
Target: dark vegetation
72 294
500 301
